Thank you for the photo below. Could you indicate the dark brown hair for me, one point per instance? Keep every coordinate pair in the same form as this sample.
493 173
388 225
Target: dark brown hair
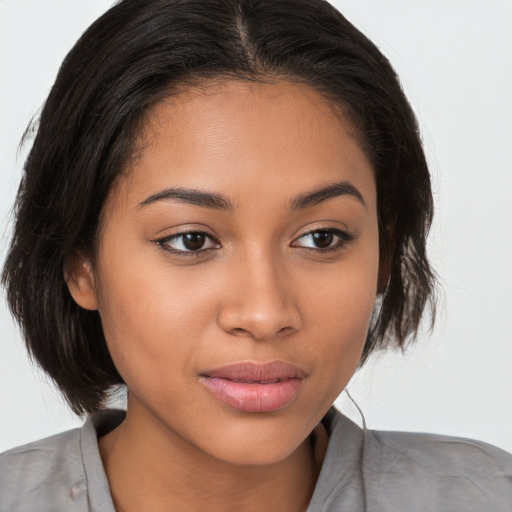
142 50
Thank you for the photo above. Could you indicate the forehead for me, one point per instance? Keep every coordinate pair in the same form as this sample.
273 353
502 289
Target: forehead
266 135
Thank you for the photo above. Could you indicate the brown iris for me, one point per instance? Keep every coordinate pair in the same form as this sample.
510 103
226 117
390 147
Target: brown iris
323 239
193 241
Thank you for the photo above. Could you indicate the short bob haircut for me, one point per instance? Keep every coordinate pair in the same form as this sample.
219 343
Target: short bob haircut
142 51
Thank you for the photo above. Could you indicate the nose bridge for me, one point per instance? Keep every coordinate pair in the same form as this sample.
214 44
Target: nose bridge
259 301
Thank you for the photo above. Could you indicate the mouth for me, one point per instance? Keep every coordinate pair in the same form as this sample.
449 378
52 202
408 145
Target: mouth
255 387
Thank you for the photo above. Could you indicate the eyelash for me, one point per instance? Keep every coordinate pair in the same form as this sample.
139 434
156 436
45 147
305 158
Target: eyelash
343 237
163 243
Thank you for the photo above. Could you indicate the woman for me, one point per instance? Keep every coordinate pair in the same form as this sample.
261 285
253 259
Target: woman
225 209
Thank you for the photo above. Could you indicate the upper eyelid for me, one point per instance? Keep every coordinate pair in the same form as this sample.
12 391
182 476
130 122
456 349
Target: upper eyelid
186 232
334 230
184 228
344 235
162 241
216 238
206 235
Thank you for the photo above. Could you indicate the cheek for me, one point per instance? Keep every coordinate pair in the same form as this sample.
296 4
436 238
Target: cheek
345 293
340 311
152 317
342 321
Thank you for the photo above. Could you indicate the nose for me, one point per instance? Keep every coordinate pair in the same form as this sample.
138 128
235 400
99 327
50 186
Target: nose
259 301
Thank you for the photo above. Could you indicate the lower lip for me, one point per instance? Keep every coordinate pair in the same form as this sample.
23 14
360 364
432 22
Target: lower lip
254 396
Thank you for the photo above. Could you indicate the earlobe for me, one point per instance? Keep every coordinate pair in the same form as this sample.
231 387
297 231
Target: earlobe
79 277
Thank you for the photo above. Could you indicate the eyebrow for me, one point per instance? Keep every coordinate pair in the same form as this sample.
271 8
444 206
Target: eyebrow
319 195
190 196
219 202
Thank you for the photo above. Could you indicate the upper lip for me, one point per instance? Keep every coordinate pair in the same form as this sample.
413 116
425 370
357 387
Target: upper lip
249 371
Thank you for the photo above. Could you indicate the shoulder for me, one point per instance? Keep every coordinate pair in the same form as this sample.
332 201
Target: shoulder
439 451
44 475
438 472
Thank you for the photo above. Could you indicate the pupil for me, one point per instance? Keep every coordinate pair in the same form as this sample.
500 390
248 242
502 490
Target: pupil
193 241
323 239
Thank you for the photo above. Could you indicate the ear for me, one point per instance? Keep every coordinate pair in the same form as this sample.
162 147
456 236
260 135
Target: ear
386 252
384 272
79 277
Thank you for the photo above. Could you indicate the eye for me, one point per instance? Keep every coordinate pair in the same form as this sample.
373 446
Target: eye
324 239
188 243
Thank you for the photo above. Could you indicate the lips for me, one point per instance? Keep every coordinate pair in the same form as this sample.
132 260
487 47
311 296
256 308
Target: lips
255 387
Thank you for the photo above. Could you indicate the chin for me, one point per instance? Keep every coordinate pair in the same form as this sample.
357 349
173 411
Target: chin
254 454
255 440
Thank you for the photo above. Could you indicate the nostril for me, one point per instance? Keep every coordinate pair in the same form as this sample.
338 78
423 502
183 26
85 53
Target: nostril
258 319
254 334
238 331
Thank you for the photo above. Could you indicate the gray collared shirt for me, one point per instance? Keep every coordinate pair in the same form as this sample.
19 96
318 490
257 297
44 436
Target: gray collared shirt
363 470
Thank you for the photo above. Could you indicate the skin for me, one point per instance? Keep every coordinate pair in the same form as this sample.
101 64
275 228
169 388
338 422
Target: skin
261 292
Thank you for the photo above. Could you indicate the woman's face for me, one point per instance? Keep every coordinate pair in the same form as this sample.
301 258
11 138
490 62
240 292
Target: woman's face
237 268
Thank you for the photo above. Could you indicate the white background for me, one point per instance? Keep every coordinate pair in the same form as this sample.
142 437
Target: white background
455 61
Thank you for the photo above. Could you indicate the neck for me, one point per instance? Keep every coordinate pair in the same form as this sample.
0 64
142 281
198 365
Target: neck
152 468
